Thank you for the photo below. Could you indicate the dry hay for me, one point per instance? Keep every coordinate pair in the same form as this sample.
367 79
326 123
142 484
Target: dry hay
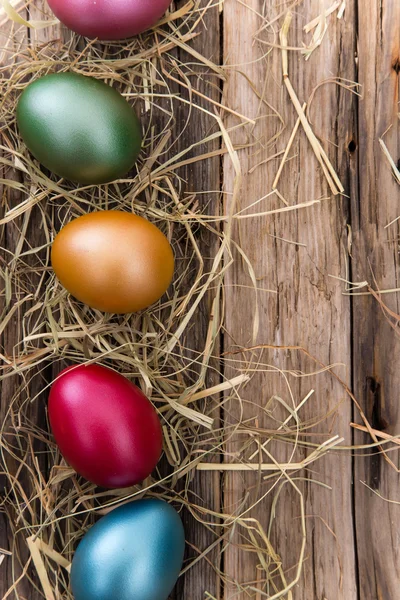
47 506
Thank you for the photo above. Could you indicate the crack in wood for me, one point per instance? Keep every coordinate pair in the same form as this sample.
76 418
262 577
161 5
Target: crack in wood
373 403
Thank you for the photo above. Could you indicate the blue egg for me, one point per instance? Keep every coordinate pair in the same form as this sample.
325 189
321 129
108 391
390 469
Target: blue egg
133 553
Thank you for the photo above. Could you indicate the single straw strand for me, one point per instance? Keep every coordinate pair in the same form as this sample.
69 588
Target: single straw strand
287 150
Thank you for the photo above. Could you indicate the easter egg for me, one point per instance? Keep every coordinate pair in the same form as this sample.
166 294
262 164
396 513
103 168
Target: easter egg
133 553
114 261
79 128
109 20
104 425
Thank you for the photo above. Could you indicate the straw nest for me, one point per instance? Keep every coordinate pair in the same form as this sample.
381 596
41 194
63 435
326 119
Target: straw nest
46 505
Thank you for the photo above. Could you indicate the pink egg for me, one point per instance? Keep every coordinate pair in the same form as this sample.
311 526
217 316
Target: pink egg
105 427
109 19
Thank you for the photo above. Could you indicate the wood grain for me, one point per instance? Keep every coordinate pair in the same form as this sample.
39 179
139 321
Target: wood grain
376 259
13 387
307 308
201 176
12 39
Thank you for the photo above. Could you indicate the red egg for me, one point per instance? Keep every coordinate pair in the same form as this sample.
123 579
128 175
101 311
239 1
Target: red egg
109 19
105 427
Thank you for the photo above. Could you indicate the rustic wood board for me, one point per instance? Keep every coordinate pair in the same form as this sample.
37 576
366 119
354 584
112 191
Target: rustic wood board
376 348
203 576
306 307
36 238
13 39
352 541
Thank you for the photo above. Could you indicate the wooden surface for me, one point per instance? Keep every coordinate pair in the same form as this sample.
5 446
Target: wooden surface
11 388
201 124
352 550
376 350
307 308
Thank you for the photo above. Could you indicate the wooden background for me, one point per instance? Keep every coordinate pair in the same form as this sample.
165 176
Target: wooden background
353 536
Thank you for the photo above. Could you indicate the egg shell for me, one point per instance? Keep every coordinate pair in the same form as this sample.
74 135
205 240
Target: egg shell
133 553
104 425
114 261
109 19
79 128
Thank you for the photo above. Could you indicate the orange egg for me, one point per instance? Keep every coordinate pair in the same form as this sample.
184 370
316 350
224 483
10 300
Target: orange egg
114 261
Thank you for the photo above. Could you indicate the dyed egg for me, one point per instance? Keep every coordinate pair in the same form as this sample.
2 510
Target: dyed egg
79 128
114 261
133 553
109 20
105 427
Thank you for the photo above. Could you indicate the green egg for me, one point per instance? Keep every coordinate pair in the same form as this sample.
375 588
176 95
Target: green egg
79 128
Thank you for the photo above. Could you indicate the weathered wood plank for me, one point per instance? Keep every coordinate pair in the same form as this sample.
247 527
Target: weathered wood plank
12 38
307 309
15 389
376 259
200 178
